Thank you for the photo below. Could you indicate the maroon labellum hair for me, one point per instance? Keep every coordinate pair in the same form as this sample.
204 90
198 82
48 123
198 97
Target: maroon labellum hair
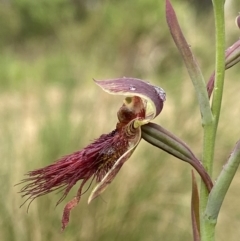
102 159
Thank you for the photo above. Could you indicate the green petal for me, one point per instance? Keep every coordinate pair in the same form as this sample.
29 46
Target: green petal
165 140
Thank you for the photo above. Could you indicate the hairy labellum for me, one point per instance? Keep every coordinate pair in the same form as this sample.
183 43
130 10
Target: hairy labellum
102 159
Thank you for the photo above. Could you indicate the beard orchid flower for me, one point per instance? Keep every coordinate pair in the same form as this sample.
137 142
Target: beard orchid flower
102 159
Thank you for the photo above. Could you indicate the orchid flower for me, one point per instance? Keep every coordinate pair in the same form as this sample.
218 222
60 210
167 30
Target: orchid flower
102 159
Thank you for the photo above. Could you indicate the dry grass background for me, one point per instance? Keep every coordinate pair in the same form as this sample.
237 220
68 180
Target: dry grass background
49 107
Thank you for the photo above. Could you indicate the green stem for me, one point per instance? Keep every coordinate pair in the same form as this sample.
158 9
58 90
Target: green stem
222 184
207 228
210 130
220 60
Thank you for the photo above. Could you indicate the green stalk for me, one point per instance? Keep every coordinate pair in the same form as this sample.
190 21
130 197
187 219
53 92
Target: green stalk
220 59
210 130
222 184
207 228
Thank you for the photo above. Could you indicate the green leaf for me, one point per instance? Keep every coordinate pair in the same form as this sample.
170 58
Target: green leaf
190 62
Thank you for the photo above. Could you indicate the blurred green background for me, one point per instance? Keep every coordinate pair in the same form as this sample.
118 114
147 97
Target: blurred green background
49 107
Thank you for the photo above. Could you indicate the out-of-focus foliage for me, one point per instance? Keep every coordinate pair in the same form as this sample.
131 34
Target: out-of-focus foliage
49 107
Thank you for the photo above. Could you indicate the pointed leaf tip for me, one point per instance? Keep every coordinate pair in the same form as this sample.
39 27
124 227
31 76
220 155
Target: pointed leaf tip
172 19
